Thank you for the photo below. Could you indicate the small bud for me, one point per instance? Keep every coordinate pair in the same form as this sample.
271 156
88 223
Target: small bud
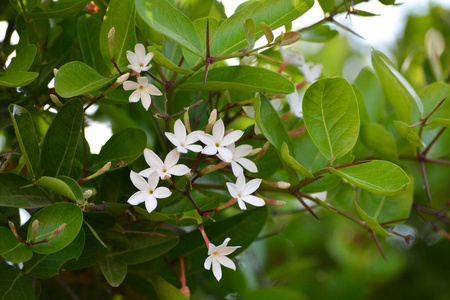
273 202
57 231
34 228
187 124
255 151
283 185
92 7
104 169
227 97
212 120
123 78
14 231
55 70
55 100
87 194
111 33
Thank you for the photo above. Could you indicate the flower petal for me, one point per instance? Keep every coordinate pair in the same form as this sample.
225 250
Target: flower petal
225 154
153 180
152 90
132 58
237 169
139 181
193 137
179 170
250 111
135 96
146 172
218 130
172 138
150 203
253 200
171 158
130 85
210 150
153 160
194 148
247 164
181 149
217 269
211 248
208 262
241 204
223 245
229 250
231 137
240 183
146 100
206 139
232 189
142 80
162 192
140 52
179 130
225 261
252 186
241 151
148 58
137 198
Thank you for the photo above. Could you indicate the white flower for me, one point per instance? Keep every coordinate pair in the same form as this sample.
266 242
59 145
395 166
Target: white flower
142 92
166 168
239 154
218 141
148 193
182 141
295 103
243 191
139 60
250 111
217 257
310 71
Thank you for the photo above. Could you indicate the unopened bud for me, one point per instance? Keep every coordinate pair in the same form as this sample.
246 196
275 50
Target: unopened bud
227 97
273 202
55 70
34 228
212 120
104 169
212 168
87 194
57 231
111 33
283 185
14 231
187 124
255 151
55 100
123 78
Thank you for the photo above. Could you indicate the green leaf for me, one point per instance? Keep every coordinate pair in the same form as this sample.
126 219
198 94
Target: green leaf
88 29
61 9
121 15
23 61
164 290
330 112
372 93
431 96
377 176
408 133
240 79
17 79
387 2
371 223
267 31
26 137
12 196
342 196
114 269
13 285
76 78
440 122
49 265
168 20
405 101
63 186
381 141
160 59
275 13
327 5
50 219
11 249
250 31
290 161
319 34
123 147
61 139
363 13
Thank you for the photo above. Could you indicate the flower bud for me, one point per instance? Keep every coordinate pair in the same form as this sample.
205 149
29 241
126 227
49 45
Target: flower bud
186 122
227 97
57 231
104 169
87 194
111 33
123 78
212 119
55 100
255 151
55 70
283 185
14 231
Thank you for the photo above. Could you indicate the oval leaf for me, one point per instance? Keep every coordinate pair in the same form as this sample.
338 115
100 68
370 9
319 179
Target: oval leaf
371 223
11 249
114 269
63 186
17 79
408 133
12 196
24 59
13 285
290 161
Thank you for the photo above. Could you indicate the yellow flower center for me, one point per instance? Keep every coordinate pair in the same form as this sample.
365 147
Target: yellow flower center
150 192
164 170
141 87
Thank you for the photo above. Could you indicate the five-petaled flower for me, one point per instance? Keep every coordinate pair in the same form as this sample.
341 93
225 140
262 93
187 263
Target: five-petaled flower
163 169
142 92
243 191
139 60
218 141
148 192
239 159
182 141
217 257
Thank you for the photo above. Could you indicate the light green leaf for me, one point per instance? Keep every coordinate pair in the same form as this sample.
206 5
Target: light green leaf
250 31
164 290
114 269
381 141
26 137
371 223
330 112
168 20
377 176
230 36
290 161
405 101
432 95
61 9
76 78
63 185
12 196
13 285
319 34
408 133
372 93
11 249
121 15
160 59
440 122
23 61
342 196
17 79
240 79
50 219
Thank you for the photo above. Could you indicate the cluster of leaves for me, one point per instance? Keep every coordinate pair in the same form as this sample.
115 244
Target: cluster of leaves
360 142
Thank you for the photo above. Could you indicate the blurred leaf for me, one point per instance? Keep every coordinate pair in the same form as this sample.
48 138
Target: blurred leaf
440 122
23 61
381 141
196 9
288 38
121 15
160 59
387 2
26 137
250 31
377 176
11 249
61 139
165 290
61 9
76 78
63 185
114 269
200 27
371 223
13 285
363 13
17 79
12 196
342 196
363 114
50 219
49 265
327 5
290 161
330 112
319 34
408 133
372 92
274 292
240 79
432 95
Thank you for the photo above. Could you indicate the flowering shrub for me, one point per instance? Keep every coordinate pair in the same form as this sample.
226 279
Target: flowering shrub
214 154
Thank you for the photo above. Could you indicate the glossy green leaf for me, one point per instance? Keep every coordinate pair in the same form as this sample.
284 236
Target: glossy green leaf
275 13
371 223
49 265
58 149
114 269
11 249
240 79
319 34
164 290
50 219
121 15
12 196
408 133
372 93
330 112
380 141
61 9
168 20
76 78
121 149
440 122
88 29
23 61
270 124
26 137
377 176
17 79
405 101
13 285
160 59
290 161
63 186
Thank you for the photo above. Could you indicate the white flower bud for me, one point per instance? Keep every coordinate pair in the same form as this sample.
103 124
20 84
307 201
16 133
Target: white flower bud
55 100
111 33
55 70
87 194
123 78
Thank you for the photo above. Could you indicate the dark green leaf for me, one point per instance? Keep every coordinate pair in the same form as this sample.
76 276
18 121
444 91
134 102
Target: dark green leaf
12 196
11 249
342 196
165 290
371 223
13 285
114 269
61 9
